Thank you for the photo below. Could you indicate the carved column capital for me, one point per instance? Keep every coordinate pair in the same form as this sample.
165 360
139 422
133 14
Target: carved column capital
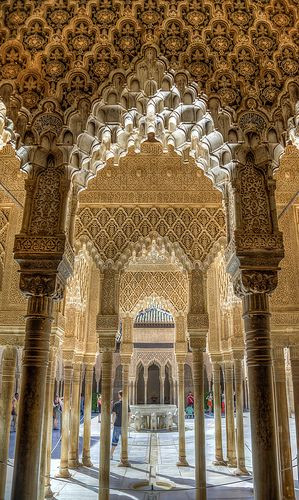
197 342
254 281
106 343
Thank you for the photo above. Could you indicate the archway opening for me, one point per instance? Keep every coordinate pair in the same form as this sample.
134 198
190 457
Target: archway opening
153 384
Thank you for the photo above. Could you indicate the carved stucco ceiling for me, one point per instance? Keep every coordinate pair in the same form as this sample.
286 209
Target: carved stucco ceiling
57 55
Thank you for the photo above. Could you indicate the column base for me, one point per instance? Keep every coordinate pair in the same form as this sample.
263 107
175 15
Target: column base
74 464
124 463
231 463
87 462
241 471
48 492
63 473
182 463
219 462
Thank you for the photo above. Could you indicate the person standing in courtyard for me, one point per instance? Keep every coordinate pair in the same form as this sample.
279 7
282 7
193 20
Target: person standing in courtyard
210 402
116 422
99 407
14 411
190 399
57 411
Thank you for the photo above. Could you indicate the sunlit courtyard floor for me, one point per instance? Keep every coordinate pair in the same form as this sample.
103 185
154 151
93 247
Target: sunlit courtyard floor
153 458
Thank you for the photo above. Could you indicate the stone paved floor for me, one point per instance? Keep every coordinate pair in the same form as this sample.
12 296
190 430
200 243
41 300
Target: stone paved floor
222 484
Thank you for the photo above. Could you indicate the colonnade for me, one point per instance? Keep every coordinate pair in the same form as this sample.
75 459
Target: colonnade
233 390
73 378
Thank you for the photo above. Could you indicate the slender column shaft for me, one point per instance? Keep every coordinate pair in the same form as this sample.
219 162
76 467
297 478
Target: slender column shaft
229 415
65 426
75 418
105 426
283 424
32 399
124 461
241 469
294 354
181 417
8 380
48 491
217 415
145 390
87 416
162 382
48 409
262 414
199 425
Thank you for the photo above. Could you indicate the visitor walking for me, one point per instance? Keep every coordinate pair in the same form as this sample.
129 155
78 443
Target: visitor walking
14 411
210 402
57 411
99 407
190 399
222 404
116 422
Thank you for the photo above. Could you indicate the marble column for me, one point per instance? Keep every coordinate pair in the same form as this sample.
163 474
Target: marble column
32 398
182 462
65 429
9 359
282 414
241 469
145 376
48 411
176 393
217 415
294 355
124 461
229 415
162 385
134 393
105 437
48 491
87 415
199 419
75 417
262 407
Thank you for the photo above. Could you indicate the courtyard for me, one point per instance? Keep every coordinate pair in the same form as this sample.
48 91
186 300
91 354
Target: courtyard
153 457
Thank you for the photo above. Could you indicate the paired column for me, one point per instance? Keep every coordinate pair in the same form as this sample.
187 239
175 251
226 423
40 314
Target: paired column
283 423
105 437
75 417
182 462
9 359
87 415
294 355
124 461
229 415
198 345
65 426
217 415
262 407
241 469
32 398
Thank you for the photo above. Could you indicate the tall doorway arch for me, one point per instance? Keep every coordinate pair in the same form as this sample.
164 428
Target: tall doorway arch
153 384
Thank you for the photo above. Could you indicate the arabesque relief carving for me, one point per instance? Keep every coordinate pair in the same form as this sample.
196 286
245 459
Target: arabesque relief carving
135 287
